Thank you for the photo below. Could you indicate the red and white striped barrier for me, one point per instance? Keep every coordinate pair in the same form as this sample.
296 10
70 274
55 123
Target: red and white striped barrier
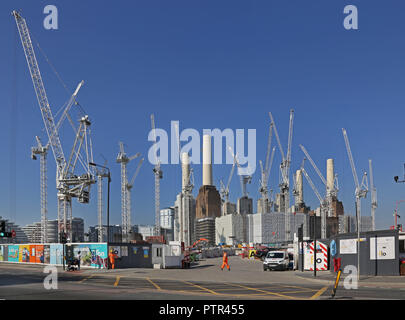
321 256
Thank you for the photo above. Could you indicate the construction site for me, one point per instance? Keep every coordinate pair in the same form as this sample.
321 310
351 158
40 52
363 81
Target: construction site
201 222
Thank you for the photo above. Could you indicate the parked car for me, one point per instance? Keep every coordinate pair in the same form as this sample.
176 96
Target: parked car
276 260
261 254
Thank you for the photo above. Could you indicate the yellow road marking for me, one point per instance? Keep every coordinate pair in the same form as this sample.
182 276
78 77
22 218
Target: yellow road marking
298 291
154 284
117 281
266 292
316 295
197 286
81 281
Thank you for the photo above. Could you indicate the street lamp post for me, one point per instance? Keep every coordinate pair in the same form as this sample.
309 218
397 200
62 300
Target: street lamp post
108 199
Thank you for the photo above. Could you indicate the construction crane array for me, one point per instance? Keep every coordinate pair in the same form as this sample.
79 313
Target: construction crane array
285 173
123 159
68 183
158 174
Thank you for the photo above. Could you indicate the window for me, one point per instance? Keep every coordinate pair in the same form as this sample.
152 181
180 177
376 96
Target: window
158 252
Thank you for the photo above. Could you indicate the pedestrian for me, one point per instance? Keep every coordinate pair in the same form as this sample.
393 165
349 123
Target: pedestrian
112 257
78 260
225 262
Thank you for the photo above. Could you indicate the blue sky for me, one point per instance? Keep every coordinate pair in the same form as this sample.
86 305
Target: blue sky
209 64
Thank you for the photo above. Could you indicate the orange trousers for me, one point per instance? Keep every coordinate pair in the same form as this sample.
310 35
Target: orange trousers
225 264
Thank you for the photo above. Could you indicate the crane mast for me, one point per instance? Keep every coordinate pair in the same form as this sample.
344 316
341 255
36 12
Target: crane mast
158 173
374 203
123 159
43 153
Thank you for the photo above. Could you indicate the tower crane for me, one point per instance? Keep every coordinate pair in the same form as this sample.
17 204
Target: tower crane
225 189
158 175
101 173
374 203
42 151
265 172
129 188
361 189
244 179
360 192
68 183
285 173
322 201
123 159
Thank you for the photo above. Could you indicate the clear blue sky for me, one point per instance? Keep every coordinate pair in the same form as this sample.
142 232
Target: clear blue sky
209 64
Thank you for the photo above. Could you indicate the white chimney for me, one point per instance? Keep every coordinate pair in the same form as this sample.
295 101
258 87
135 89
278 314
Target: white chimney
330 173
207 161
300 196
185 169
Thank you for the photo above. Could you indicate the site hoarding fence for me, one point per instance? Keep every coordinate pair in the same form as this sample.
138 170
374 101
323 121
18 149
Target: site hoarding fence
90 254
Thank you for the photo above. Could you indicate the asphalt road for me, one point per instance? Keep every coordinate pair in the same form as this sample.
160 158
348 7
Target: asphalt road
246 280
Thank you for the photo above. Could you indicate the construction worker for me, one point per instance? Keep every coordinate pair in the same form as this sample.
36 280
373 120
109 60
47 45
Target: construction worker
225 262
112 257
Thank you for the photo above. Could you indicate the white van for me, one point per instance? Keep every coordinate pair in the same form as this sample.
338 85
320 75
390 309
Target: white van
276 260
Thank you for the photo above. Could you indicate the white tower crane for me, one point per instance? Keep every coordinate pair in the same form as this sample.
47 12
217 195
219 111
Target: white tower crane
42 152
265 172
158 175
285 173
360 192
129 188
374 203
123 159
225 189
68 183
244 179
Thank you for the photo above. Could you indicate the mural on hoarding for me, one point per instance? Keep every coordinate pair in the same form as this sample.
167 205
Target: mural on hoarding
24 253
47 254
13 251
91 255
56 253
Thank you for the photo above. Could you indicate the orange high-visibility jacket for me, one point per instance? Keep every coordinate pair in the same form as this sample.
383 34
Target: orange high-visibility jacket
111 256
225 258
